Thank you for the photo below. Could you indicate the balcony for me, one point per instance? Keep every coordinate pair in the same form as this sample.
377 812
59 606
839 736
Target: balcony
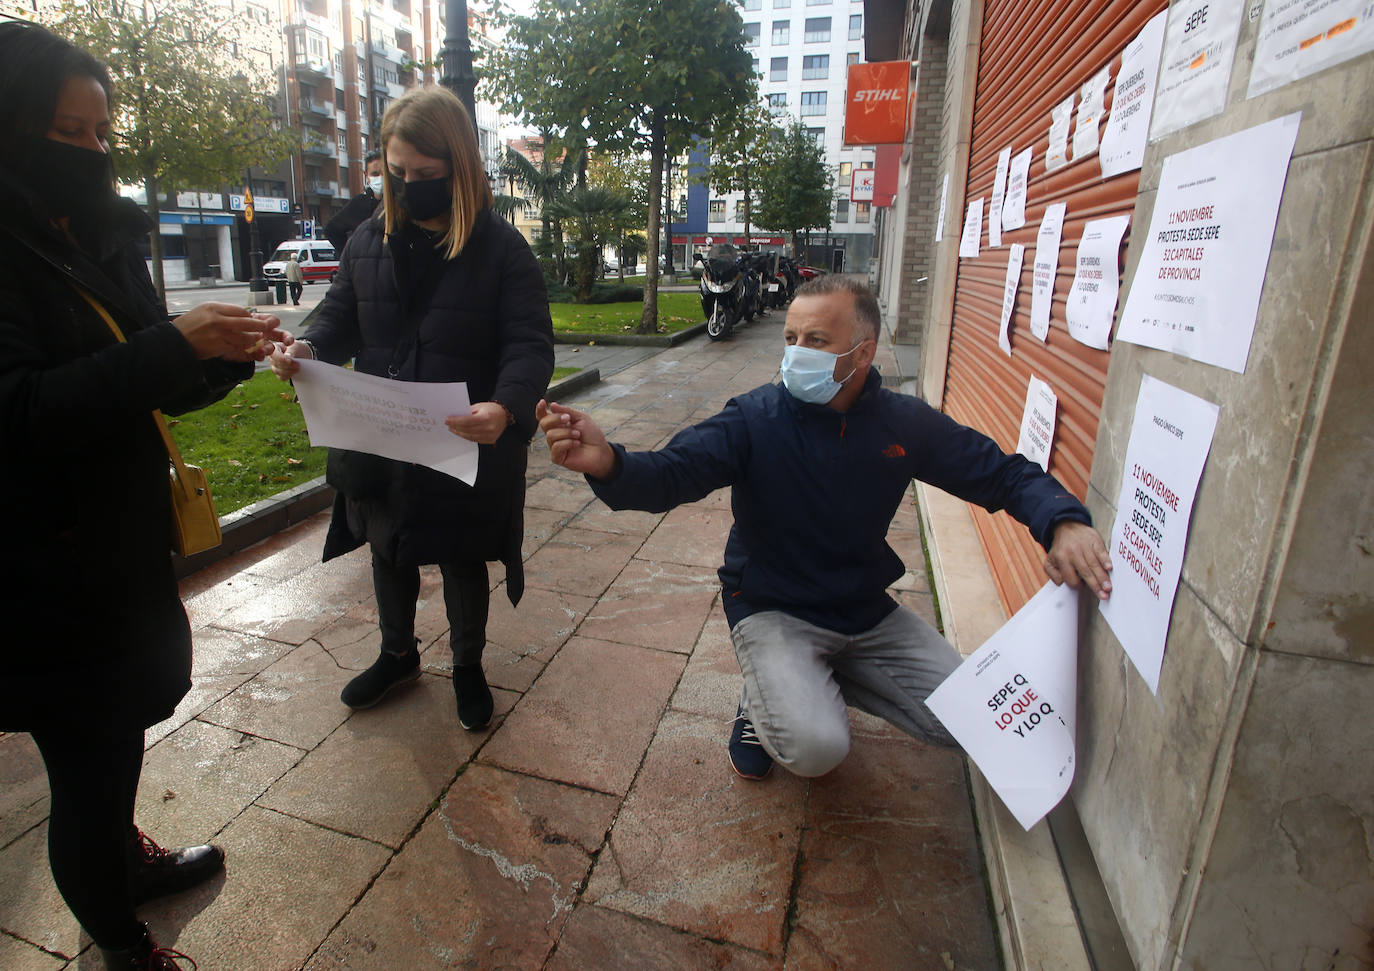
314 66
322 188
320 149
313 106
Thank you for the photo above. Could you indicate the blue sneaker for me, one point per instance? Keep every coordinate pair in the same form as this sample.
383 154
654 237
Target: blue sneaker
748 757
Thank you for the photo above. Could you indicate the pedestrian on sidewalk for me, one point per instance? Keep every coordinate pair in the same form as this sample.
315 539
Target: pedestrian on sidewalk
97 645
439 290
818 467
294 278
361 207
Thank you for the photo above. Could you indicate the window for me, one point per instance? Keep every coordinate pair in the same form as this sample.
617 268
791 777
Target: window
817 135
815 67
852 57
812 103
754 64
777 101
841 210
817 3
781 4
862 211
778 69
338 61
845 169
817 30
739 210
717 211
856 26
751 35
781 30
752 4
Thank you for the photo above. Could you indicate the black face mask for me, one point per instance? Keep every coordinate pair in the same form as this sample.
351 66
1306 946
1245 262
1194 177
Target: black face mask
70 180
425 199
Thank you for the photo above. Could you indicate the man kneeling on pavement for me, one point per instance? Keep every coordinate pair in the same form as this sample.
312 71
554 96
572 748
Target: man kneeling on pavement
818 466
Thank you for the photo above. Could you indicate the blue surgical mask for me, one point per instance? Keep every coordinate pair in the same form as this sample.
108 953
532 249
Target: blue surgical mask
374 182
809 374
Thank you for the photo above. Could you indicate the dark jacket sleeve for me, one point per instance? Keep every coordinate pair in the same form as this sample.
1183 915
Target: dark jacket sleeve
696 462
525 363
334 330
968 464
338 229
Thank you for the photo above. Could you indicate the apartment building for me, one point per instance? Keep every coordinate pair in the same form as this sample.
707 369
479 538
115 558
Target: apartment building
802 50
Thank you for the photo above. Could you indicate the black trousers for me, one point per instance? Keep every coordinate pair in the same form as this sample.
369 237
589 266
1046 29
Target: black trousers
93 778
295 292
467 595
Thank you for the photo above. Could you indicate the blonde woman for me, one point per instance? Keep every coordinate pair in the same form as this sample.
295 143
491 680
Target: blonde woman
437 288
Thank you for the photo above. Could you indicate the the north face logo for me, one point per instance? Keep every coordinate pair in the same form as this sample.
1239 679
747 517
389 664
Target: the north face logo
894 451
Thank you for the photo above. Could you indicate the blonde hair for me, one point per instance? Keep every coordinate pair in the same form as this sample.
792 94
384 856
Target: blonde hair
435 122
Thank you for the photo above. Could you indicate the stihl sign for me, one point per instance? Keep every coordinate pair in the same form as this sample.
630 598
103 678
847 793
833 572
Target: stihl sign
876 105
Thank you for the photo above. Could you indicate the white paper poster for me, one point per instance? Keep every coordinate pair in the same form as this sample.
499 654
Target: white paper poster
1046 268
401 420
1061 120
1090 108
1128 128
1199 46
1009 288
1170 438
999 190
1014 206
1037 423
973 229
1302 37
1197 286
1012 705
940 220
1092 298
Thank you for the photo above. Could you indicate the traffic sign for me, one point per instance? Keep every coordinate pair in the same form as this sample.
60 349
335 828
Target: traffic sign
248 205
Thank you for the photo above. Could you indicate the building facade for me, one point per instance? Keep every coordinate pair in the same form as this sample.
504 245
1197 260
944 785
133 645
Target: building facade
801 50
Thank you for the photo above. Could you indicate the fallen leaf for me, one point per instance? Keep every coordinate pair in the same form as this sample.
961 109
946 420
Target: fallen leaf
168 795
235 462
281 478
293 461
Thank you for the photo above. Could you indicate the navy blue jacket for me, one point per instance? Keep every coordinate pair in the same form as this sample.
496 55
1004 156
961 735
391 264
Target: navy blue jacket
815 490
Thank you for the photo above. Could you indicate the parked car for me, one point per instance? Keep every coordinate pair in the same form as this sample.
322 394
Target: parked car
317 256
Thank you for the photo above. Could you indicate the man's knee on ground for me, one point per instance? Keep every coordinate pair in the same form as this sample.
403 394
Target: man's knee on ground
814 754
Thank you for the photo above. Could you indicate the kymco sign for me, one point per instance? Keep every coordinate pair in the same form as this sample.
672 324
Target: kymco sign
876 103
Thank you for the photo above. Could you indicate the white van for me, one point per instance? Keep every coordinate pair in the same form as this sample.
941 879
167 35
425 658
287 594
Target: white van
317 256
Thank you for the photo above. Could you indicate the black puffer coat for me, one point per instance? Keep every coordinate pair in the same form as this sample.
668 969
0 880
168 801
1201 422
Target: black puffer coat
94 633
483 318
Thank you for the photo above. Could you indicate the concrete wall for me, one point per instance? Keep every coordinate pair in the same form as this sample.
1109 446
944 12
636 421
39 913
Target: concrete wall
1232 815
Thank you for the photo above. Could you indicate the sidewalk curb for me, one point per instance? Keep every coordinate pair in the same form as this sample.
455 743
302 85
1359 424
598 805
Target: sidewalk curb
631 340
267 517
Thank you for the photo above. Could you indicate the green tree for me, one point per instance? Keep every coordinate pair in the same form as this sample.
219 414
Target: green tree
737 142
594 216
188 111
794 184
629 176
547 183
633 76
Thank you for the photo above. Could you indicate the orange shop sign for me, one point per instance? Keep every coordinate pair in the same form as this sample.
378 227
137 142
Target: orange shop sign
876 103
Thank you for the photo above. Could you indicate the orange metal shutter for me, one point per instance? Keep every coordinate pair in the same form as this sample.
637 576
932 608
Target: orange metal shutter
1033 55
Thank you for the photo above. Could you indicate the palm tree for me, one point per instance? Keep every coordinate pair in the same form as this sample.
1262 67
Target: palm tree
592 216
545 184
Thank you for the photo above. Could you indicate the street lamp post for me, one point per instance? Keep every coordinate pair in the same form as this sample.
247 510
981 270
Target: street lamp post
457 74
257 286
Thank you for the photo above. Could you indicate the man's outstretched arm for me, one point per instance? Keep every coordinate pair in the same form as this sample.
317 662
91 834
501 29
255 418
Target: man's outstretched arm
1078 553
575 441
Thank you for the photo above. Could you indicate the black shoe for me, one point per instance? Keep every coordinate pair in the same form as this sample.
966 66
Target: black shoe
155 872
145 956
747 755
387 672
475 703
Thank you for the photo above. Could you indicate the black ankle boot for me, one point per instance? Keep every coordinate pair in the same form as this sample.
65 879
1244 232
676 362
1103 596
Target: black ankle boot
145 956
475 703
155 872
387 672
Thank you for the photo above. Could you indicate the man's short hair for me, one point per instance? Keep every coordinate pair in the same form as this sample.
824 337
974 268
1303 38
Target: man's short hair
867 317
372 156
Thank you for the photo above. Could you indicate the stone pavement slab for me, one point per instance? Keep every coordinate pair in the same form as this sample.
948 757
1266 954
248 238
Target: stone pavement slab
595 824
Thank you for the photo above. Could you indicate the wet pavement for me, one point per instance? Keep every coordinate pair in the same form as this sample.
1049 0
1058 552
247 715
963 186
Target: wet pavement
596 824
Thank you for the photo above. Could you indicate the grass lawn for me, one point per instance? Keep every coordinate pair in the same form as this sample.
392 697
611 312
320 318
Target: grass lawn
253 444
676 311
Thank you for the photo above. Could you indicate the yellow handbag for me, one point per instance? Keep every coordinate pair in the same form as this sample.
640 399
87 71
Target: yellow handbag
195 524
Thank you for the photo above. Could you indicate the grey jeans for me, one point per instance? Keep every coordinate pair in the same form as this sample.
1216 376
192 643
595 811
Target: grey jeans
800 678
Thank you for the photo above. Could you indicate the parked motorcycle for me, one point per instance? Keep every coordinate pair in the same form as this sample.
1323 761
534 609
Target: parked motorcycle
723 282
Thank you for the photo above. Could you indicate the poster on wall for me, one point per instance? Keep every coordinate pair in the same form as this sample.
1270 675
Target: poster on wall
1090 108
973 229
1014 207
999 190
1046 268
1199 46
1128 127
1171 435
1037 423
1197 286
1009 288
1012 705
1092 298
940 220
1302 37
1061 120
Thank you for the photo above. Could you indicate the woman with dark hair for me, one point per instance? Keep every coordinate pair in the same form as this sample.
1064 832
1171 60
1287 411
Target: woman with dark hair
439 289
97 644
